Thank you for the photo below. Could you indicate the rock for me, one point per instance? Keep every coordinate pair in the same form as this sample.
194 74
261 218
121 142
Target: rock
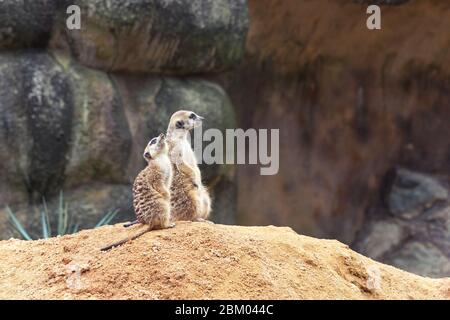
148 36
438 229
382 237
411 193
420 245
26 23
417 237
62 125
237 263
421 258
36 105
100 135
144 36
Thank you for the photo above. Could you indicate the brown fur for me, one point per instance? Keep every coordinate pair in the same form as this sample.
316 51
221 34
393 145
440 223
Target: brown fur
151 197
185 203
189 198
151 193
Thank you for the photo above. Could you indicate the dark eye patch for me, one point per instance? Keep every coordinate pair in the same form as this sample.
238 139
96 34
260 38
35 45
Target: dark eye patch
153 141
193 116
179 124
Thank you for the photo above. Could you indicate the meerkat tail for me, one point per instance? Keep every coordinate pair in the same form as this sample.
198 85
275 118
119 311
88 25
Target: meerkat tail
132 223
121 242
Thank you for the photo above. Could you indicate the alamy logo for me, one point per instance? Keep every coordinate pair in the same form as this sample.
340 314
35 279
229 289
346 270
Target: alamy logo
73 22
238 146
374 20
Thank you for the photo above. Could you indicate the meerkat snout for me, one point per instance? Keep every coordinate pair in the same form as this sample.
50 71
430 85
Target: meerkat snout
195 120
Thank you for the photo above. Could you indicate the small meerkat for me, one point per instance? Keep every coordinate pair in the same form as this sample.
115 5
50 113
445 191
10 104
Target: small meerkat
190 199
151 190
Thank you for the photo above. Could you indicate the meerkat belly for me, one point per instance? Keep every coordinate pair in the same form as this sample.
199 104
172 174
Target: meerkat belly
184 201
204 200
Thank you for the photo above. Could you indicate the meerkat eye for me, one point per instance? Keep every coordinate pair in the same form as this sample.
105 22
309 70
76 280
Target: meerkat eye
193 116
179 124
153 141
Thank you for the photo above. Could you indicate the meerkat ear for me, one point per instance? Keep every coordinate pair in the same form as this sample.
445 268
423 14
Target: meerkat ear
179 124
162 136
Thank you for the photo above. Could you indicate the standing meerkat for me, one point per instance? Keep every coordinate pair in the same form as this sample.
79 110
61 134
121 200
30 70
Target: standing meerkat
190 199
151 190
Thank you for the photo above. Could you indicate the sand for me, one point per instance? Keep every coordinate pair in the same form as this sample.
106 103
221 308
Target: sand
202 261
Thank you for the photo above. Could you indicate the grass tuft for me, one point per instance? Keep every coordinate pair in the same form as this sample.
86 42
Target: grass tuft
63 223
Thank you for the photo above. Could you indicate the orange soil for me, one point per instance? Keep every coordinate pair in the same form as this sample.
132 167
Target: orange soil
202 261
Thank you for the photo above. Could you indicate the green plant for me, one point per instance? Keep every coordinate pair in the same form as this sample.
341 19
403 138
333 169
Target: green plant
64 223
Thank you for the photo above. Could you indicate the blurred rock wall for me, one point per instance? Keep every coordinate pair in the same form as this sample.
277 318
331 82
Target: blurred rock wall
351 104
77 107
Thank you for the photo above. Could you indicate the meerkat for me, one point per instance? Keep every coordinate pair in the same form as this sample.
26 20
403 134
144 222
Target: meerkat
151 190
190 199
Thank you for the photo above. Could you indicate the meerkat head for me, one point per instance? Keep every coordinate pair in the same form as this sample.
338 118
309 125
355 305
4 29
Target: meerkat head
156 146
184 121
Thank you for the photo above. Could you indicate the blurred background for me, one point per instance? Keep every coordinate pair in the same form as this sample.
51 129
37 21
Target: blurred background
364 116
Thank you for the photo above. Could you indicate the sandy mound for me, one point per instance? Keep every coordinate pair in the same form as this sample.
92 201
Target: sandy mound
200 260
